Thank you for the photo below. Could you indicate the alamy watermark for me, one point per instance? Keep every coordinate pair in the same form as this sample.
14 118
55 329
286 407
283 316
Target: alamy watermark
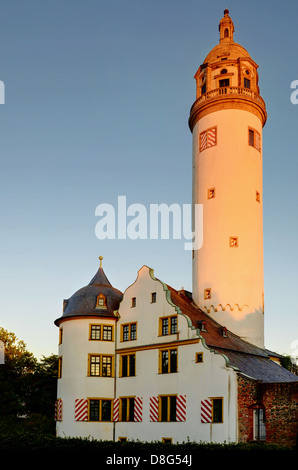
2 92
294 94
161 221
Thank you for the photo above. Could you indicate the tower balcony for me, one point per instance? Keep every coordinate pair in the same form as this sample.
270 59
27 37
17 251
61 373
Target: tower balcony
228 97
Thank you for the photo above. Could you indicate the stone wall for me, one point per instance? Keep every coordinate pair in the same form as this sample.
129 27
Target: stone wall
280 401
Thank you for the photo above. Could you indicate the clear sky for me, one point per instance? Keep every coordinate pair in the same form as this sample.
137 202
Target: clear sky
97 99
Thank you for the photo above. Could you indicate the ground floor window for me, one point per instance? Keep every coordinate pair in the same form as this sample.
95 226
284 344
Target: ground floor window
259 424
168 408
127 407
100 409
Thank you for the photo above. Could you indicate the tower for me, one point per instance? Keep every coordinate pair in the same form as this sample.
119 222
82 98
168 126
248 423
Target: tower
226 121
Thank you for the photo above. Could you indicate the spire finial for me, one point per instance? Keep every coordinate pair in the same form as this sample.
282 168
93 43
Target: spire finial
100 259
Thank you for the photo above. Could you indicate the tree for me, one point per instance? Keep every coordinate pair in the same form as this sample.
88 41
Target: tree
28 387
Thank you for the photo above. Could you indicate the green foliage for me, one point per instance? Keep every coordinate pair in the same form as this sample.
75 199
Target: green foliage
28 388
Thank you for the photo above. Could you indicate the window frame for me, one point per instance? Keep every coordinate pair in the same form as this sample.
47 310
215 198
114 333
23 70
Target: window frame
132 335
168 412
169 327
101 327
129 411
255 142
59 367
129 372
170 361
101 365
100 408
213 400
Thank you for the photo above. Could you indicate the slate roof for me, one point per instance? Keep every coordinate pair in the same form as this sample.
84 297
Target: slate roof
247 358
83 301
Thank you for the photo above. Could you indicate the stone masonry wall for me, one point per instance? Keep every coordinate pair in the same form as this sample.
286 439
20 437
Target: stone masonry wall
280 401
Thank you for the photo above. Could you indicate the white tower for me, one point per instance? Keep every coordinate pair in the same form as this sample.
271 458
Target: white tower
226 121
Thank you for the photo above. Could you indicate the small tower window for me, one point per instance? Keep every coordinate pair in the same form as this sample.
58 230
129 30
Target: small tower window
153 297
226 33
254 139
258 196
223 71
101 301
133 301
203 89
211 193
246 82
224 82
207 294
234 242
199 357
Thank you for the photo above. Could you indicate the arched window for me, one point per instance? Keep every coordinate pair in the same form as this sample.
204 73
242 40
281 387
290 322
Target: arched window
223 71
226 33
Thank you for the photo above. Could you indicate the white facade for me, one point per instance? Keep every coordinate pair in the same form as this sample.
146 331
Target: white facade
191 382
226 121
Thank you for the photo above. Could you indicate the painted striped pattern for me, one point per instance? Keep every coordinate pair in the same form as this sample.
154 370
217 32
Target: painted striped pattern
206 411
154 408
81 409
138 410
181 408
207 139
58 410
116 409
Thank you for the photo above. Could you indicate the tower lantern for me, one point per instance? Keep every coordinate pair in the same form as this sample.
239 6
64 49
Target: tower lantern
226 121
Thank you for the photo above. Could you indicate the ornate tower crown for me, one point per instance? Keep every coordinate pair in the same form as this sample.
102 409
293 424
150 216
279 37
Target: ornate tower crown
226 28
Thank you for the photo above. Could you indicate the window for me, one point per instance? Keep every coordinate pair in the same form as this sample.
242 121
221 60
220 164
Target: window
129 332
207 294
59 367
101 332
133 301
60 335
258 196
211 193
168 325
101 302
166 440
217 408
127 365
223 71
254 139
234 242
203 89
153 297
208 138
199 357
167 408
226 33
127 409
100 366
122 439
168 361
100 409
246 82
259 423
224 82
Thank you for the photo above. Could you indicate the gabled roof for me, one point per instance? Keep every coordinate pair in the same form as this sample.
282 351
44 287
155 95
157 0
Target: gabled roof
249 359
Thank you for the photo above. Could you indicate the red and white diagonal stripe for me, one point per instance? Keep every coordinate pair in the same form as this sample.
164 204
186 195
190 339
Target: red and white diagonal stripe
211 137
181 408
203 141
154 408
81 409
138 410
206 411
58 410
116 409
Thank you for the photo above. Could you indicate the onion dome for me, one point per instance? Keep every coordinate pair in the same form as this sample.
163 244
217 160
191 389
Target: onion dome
99 298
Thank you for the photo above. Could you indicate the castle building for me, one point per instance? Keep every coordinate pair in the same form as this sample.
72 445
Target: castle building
154 363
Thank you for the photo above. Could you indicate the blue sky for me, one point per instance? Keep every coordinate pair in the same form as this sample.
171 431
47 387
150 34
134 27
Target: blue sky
97 99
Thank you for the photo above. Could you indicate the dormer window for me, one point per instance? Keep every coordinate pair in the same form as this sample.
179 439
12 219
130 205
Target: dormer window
101 301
